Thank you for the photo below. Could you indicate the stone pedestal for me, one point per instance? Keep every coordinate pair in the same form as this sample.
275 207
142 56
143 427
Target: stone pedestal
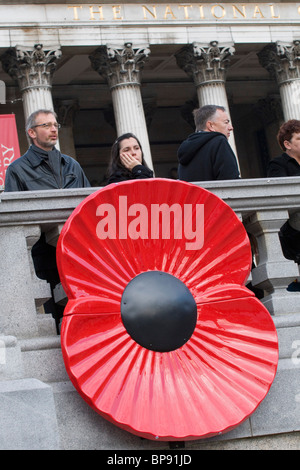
21 291
265 225
28 416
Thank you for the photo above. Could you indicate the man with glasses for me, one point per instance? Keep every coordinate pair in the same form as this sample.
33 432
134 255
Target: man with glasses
43 166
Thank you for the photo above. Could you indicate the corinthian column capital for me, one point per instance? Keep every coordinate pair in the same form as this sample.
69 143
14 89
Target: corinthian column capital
32 67
120 65
282 60
205 63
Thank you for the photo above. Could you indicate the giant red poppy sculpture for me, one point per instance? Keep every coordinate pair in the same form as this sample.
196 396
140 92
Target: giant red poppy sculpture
160 336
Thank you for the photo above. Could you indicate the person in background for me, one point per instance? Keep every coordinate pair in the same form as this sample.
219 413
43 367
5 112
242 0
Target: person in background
127 160
44 167
288 164
206 154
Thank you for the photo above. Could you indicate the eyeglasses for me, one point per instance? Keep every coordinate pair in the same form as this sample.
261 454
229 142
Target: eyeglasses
48 125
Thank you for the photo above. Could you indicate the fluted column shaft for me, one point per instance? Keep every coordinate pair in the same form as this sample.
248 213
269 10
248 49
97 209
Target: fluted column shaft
36 98
282 60
211 93
290 98
127 98
122 68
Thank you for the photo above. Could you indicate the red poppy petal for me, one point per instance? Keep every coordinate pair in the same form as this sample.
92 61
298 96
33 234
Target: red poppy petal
218 293
208 386
89 265
92 305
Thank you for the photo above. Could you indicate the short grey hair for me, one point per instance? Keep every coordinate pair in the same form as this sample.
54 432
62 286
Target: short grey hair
31 120
204 114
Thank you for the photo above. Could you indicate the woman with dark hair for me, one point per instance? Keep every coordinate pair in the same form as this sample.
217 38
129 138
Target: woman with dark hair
127 160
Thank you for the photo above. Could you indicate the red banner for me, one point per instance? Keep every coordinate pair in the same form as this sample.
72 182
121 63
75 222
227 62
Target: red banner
9 144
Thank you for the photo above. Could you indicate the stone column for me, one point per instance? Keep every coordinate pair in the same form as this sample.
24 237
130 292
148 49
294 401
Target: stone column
21 291
33 69
207 66
282 60
122 69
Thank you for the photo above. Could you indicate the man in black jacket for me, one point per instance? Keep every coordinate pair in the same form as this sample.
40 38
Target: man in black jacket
44 167
206 154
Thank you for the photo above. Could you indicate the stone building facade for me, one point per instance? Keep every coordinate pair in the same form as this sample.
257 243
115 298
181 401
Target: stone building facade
109 68
106 69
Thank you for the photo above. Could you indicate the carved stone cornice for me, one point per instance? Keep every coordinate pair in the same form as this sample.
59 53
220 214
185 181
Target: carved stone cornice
282 60
120 66
31 67
205 63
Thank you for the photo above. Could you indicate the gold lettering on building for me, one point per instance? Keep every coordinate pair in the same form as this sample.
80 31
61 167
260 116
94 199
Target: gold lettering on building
237 10
273 12
76 18
257 11
186 12
176 12
221 10
93 12
201 12
152 13
168 11
117 11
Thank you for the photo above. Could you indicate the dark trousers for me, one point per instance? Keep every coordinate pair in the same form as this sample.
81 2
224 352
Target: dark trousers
290 242
44 260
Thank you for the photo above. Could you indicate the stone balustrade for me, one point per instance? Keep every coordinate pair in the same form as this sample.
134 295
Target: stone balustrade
30 356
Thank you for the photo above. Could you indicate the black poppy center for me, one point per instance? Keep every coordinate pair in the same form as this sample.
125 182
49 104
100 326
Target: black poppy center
158 311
